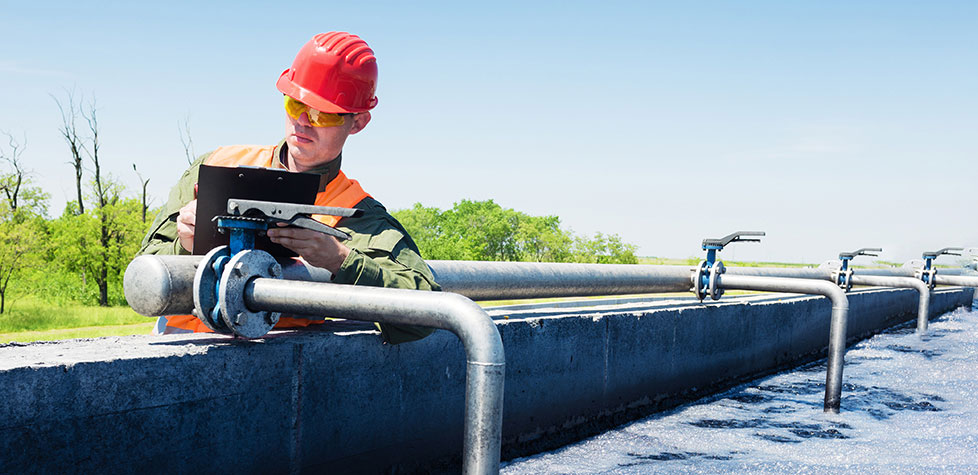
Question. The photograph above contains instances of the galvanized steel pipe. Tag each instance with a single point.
(823, 272)
(820, 273)
(837, 325)
(923, 304)
(911, 272)
(163, 285)
(959, 280)
(899, 277)
(519, 280)
(160, 285)
(486, 364)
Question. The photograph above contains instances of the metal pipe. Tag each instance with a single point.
(518, 280)
(163, 285)
(959, 280)
(819, 273)
(825, 272)
(900, 278)
(923, 303)
(486, 363)
(837, 325)
(911, 271)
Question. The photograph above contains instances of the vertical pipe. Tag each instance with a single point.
(837, 352)
(485, 370)
(923, 308)
(837, 325)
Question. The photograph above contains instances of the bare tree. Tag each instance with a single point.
(75, 143)
(144, 183)
(188, 141)
(102, 201)
(92, 120)
(11, 183)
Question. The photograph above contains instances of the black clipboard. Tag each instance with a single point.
(215, 185)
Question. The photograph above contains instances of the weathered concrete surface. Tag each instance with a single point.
(341, 401)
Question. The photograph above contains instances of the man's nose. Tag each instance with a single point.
(303, 120)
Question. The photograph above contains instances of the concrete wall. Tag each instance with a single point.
(318, 401)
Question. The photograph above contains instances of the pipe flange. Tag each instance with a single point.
(715, 272)
(241, 269)
(698, 273)
(205, 289)
(843, 279)
(928, 276)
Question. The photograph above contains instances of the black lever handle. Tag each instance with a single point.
(733, 237)
(866, 251)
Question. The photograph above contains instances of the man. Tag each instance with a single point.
(329, 92)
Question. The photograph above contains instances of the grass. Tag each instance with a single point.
(30, 313)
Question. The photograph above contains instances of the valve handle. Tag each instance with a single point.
(866, 251)
(951, 251)
(298, 215)
(285, 211)
(733, 237)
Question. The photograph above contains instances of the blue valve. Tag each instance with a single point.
(928, 271)
(843, 277)
(707, 275)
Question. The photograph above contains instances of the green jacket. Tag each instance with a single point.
(382, 253)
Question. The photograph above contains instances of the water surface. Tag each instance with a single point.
(910, 405)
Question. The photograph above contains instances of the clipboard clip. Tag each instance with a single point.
(271, 213)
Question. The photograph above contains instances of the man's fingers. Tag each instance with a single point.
(299, 246)
(293, 233)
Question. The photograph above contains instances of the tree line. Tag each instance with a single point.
(81, 255)
(485, 231)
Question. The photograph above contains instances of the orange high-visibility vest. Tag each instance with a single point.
(342, 192)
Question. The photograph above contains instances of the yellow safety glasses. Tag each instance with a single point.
(318, 119)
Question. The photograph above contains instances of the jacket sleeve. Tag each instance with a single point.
(383, 255)
(162, 237)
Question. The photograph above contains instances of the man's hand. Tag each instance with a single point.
(314, 247)
(185, 225)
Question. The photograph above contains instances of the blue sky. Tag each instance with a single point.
(830, 125)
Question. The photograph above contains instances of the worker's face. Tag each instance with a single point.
(311, 147)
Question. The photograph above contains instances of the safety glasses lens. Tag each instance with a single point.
(295, 109)
(323, 119)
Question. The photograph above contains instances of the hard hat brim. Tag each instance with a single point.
(289, 88)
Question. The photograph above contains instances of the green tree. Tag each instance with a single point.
(424, 225)
(100, 242)
(602, 249)
(22, 224)
(20, 249)
(541, 239)
(485, 231)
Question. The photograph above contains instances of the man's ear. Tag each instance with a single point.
(359, 122)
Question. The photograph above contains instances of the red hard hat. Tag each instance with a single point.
(333, 72)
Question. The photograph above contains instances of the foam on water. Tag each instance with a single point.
(910, 404)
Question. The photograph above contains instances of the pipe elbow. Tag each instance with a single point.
(474, 328)
(920, 285)
(835, 294)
